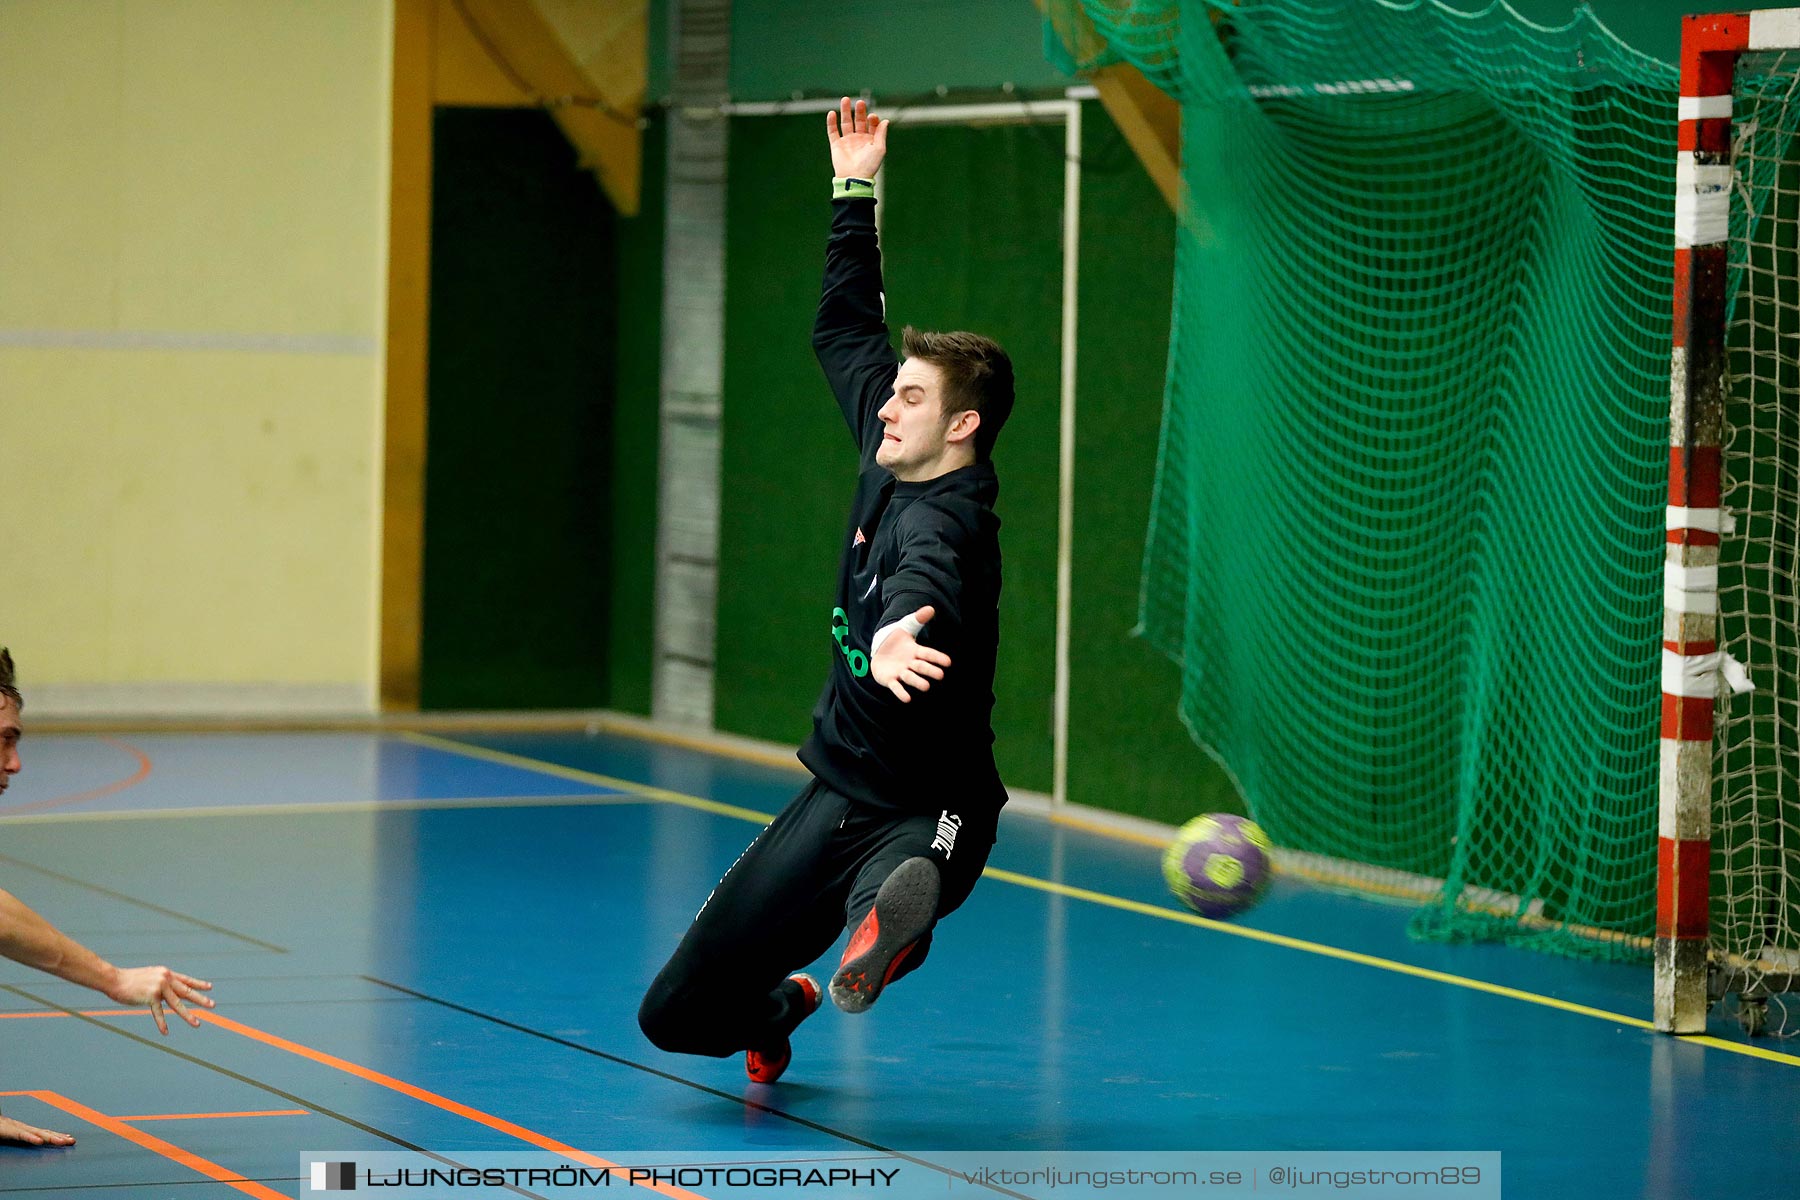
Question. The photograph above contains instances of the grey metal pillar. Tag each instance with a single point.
(693, 340)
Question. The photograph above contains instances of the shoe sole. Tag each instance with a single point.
(904, 909)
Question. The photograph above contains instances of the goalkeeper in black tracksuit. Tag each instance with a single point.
(895, 826)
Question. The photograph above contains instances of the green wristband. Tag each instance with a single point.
(848, 189)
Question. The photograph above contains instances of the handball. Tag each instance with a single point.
(1218, 864)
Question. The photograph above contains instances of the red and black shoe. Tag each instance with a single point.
(766, 1066)
(904, 909)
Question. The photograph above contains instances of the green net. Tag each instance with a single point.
(1407, 538)
(1756, 765)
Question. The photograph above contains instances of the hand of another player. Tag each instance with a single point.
(902, 663)
(858, 140)
(18, 1133)
(159, 986)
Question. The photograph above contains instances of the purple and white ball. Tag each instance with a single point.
(1218, 864)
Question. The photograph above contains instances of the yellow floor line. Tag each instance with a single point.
(1102, 829)
(578, 776)
(322, 806)
(1319, 948)
(1741, 1048)
(1117, 902)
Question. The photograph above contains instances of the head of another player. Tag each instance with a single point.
(11, 705)
(953, 393)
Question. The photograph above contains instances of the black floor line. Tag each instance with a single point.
(237, 1004)
(673, 1078)
(141, 1183)
(301, 1101)
(144, 904)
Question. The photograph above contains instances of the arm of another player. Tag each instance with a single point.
(850, 333)
(19, 1133)
(25, 937)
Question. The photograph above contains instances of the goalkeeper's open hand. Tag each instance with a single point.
(901, 662)
(858, 140)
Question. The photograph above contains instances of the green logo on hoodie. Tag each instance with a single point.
(840, 631)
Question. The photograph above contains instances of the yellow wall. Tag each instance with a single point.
(193, 210)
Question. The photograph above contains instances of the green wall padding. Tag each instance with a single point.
(519, 424)
(1128, 750)
(631, 578)
(895, 48)
(788, 467)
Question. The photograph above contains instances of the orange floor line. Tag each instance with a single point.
(117, 785)
(86, 1012)
(499, 1124)
(173, 1153)
(268, 1112)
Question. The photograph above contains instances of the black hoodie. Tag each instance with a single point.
(906, 545)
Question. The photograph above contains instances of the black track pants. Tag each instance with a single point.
(809, 875)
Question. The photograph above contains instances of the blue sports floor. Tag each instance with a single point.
(439, 943)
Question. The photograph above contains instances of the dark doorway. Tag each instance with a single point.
(519, 421)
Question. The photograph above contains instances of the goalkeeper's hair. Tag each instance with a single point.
(9, 682)
(977, 375)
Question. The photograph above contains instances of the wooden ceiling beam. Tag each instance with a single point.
(528, 51)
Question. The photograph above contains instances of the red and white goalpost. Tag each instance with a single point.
(1729, 828)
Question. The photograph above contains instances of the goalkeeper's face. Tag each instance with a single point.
(9, 741)
(919, 439)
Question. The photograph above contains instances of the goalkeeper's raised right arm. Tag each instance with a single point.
(850, 334)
